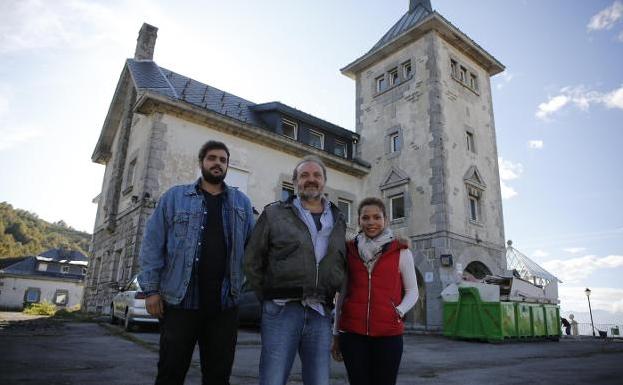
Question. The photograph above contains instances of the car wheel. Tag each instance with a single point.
(113, 319)
(127, 324)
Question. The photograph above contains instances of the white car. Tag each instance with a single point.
(128, 306)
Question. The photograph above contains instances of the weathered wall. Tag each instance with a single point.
(13, 289)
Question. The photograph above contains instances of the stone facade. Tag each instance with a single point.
(427, 133)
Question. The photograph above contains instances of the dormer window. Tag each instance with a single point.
(289, 128)
(340, 149)
(316, 139)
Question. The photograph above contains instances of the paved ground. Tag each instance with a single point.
(43, 351)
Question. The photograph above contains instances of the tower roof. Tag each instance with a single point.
(418, 10)
(419, 20)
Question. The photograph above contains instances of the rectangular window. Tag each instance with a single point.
(469, 138)
(129, 177)
(287, 190)
(454, 68)
(473, 82)
(344, 206)
(473, 208)
(32, 295)
(394, 142)
(393, 77)
(463, 74)
(381, 84)
(397, 207)
(61, 297)
(316, 139)
(289, 128)
(65, 269)
(406, 69)
(340, 149)
(42, 266)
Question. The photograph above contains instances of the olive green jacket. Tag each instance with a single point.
(280, 261)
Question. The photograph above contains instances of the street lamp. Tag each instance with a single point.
(588, 296)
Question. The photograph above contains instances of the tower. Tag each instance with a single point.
(424, 114)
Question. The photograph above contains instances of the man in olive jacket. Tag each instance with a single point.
(295, 262)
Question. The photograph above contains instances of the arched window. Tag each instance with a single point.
(478, 269)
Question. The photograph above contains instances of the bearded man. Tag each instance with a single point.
(191, 262)
(295, 262)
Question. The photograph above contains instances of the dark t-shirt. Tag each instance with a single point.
(213, 261)
(317, 220)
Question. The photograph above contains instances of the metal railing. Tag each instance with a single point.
(612, 330)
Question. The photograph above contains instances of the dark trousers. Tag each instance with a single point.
(371, 360)
(181, 329)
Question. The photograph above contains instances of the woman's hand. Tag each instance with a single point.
(336, 353)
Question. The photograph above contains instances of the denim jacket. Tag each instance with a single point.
(172, 240)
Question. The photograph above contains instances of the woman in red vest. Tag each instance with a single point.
(380, 288)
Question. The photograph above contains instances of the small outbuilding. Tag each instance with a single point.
(56, 276)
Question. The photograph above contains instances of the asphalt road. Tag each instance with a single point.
(43, 351)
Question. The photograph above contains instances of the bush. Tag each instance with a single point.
(42, 308)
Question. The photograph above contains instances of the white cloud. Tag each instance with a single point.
(580, 97)
(507, 191)
(29, 25)
(614, 99)
(503, 80)
(574, 250)
(552, 105)
(539, 253)
(535, 144)
(606, 18)
(12, 136)
(602, 298)
(574, 270)
(508, 171)
(4, 104)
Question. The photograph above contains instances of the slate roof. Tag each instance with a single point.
(27, 266)
(406, 22)
(64, 254)
(150, 76)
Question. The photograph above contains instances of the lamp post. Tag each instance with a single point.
(588, 296)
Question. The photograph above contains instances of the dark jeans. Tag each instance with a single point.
(181, 329)
(371, 360)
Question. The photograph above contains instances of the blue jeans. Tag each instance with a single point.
(288, 329)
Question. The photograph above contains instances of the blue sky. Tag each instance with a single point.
(558, 106)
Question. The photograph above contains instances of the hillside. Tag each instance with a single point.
(24, 233)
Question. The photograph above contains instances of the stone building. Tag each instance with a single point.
(424, 141)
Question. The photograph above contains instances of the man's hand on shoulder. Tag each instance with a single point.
(154, 305)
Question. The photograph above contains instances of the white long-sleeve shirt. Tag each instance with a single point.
(409, 284)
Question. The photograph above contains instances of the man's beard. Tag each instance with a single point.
(310, 195)
(213, 179)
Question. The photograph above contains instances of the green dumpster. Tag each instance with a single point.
(524, 324)
(552, 321)
(471, 318)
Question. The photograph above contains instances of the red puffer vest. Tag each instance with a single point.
(370, 305)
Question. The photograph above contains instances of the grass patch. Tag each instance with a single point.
(41, 308)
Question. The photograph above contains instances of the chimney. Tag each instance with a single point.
(414, 3)
(146, 42)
